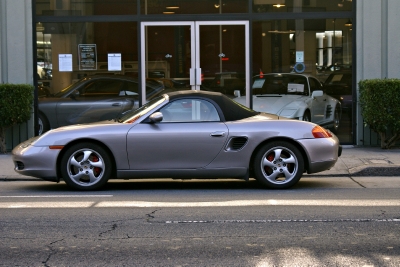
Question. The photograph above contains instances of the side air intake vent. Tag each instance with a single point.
(237, 143)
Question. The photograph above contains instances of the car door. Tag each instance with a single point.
(190, 136)
(318, 103)
(93, 101)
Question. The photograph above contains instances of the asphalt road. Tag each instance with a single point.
(320, 222)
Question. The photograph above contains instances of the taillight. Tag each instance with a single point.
(319, 132)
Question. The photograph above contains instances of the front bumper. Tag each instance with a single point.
(40, 162)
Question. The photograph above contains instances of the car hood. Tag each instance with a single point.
(273, 103)
(95, 130)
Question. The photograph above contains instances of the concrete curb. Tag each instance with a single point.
(376, 170)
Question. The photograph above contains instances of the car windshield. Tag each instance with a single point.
(133, 115)
(282, 84)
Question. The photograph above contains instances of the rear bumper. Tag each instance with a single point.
(323, 153)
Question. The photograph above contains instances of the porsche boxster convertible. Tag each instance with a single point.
(183, 134)
(295, 96)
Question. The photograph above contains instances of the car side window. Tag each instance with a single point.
(102, 87)
(130, 88)
(315, 85)
(189, 110)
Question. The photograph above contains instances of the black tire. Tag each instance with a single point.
(307, 116)
(86, 166)
(44, 124)
(278, 165)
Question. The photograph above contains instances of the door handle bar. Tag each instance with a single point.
(218, 134)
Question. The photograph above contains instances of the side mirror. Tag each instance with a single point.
(317, 93)
(156, 117)
(236, 93)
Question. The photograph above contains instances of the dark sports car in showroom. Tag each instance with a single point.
(182, 134)
(92, 99)
(339, 85)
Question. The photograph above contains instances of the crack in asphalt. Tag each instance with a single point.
(113, 227)
(150, 216)
(351, 178)
(52, 252)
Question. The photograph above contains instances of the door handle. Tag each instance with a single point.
(218, 134)
(116, 104)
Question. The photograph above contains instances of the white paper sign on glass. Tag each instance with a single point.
(65, 62)
(299, 56)
(114, 62)
(294, 88)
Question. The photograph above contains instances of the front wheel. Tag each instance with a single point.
(307, 116)
(278, 165)
(336, 121)
(86, 166)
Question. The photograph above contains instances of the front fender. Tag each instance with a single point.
(294, 110)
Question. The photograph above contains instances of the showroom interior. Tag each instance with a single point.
(195, 42)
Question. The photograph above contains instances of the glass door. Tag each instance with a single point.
(212, 56)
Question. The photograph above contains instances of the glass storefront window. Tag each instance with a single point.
(85, 7)
(203, 54)
(261, 6)
(67, 52)
(321, 48)
(171, 7)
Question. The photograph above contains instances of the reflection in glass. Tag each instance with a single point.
(262, 6)
(85, 7)
(323, 47)
(172, 7)
(89, 44)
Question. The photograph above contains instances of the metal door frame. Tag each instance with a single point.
(195, 70)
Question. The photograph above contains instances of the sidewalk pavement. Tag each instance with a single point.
(354, 161)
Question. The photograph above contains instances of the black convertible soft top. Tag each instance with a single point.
(231, 109)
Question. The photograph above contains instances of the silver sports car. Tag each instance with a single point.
(295, 96)
(183, 134)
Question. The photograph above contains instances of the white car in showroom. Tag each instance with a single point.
(294, 96)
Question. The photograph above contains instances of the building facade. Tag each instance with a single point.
(53, 43)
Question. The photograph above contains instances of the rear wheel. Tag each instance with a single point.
(278, 165)
(86, 166)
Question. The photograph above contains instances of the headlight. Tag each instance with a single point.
(29, 142)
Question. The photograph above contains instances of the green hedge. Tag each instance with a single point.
(15, 107)
(380, 108)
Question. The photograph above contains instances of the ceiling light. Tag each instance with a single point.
(279, 5)
(172, 7)
(348, 23)
(39, 27)
(168, 12)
